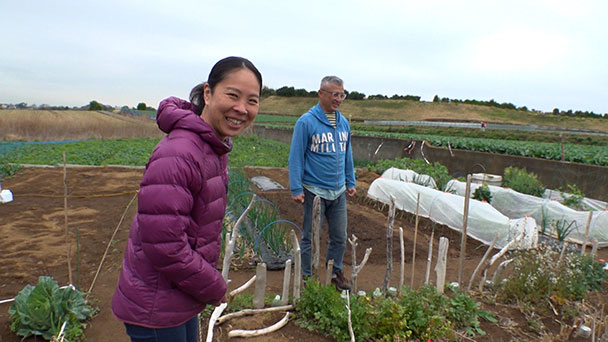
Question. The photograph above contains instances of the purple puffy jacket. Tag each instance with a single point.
(169, 269)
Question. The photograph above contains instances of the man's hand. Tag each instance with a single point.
(351, 192)
(298, 198)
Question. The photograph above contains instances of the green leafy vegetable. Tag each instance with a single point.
(43, 309)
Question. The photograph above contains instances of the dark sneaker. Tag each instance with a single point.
(340, 281)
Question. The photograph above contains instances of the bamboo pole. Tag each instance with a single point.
(415, 240)
(65, 220)
(402, 265)
(463, 240)
(389, 246)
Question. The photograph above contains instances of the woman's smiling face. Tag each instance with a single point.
(233, 104)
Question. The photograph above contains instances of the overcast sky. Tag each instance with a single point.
(542, 54)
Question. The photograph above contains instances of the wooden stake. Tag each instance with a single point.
(316, 234)
(500, 269)
(260, 286)
(357, 268)
(353, 254)
(415, 241)
(65, 219)
(214, 316)
(402, 268)
(286, 279)
(482, 261)
(594, 247)
(389, 245)
(584, 248)
(350, 323)
(440, 268)
(297, 274)
(428, 259)
(243, 287)
(230, 240)
(463, 240)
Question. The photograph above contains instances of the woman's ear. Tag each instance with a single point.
(206, 92)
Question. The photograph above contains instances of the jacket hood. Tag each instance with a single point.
(174, 113)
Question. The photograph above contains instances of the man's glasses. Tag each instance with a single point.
(336, 94)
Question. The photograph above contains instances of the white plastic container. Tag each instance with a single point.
(6, 196)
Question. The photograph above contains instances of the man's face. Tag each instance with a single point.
(331, 96)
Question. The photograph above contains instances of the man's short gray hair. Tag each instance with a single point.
(332, 79)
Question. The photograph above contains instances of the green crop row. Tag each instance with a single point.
(248, 150)
(586, 154)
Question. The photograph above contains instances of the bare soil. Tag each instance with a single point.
(101, 202)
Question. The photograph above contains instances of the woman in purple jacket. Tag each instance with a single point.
(169, 269)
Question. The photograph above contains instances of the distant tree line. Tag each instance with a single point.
(578, 113)
(507, 105)
(351, 95)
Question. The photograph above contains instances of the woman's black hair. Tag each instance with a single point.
(219, 71)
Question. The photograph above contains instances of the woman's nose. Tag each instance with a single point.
(240, 107)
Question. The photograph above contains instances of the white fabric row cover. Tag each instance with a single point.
(409, 176)
(484, 221)
(546, 212)
(588, 203)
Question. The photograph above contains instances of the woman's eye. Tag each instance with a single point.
(233, 95)
(253, 101)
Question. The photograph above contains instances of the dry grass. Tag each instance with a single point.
(405, 110)
(50, 125)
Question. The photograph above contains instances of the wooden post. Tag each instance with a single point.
(463, 240)
(260, 286)
(501, 267)
(316, 234)
(584, 248)
(594, 247)
(389, 245)
(402, 268)
(286, 279)
(482, 261)
(357, 268)
(230, 240)
(415, 240)
(65, 219)
(297, 273)
(429, 258)
(442, 255)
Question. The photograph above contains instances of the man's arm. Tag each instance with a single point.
(296, 161)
